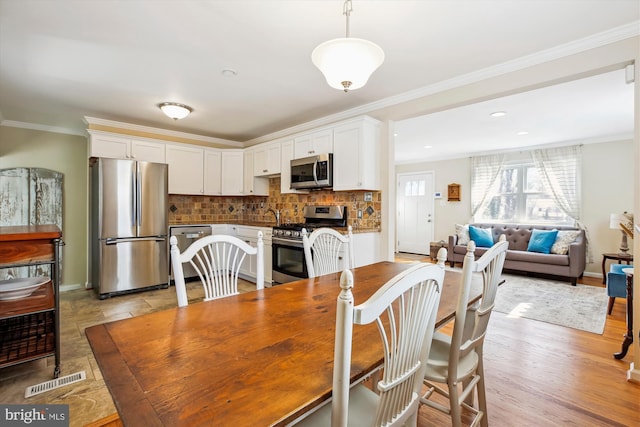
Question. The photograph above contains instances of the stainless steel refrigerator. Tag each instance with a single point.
(128, 225)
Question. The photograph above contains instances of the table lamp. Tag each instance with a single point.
(624, 223)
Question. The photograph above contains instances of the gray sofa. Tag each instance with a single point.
(518, 259)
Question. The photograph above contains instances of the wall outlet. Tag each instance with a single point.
(360, 213)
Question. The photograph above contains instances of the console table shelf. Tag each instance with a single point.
(30, 326)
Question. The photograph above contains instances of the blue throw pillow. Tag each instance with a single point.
(542, 240)
(481, 236)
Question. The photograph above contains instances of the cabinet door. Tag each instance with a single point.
(356, 157)
(113, 147)
(319, 142)
(232, 173)
(253, 185)
(212, 172)
(273, 158)
(266, 160)
(186, 169)
(148, 151)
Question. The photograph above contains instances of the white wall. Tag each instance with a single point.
(607, 187)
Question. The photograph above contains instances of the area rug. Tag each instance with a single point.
(580, 307)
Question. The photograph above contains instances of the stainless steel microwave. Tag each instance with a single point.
(312, 172)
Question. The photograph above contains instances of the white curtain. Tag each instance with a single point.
(561, 172)
(484, 176)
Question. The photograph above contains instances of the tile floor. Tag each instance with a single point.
(88, 400)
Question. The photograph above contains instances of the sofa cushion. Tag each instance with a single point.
(563, 240)
(537, 258)
(542, 240)
(462, 231)
(481, 236)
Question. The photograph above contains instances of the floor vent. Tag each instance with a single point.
(53, 384)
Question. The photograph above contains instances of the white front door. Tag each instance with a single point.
(415, 212)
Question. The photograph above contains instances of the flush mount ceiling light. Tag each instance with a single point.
(347, 63)
(498, 114)
(175, 110)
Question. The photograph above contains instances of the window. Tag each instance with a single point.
(414, 188)
(518, 195)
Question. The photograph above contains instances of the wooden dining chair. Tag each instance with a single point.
(456, 361)
(217, 260)
(404, 310)
(327, 251)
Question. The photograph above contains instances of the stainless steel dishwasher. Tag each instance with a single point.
(186, 235)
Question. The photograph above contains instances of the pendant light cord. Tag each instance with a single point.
(346, 10)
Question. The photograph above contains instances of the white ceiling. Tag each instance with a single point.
(65, 59)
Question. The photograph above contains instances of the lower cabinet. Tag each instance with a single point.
(249, 267)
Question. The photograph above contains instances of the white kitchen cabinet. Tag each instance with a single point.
(266, 159)
(212, 172)
(366, 249)
(356, 158)
(186, 169)
(318, 142)
(249, 266)
(286, 155)
(253, 186)
(122, 147)
(232, 173)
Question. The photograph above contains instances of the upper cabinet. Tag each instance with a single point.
(123, 147)
(212, 172)
(266, 159)
(309, 144)
(356, 155)
(253, 185)
(186, 169)
(232, 173)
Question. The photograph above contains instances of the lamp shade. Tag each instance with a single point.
(347, 63)
(614, 221)
(175, 110)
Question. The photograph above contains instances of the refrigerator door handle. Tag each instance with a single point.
(115, 241)
(139, 196)
(134, 197)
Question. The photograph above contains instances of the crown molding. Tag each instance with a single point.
(613, 35)
(44, 128)
(159, 131)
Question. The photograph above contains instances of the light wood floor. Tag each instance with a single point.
(538, 374)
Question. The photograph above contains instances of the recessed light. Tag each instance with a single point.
(498, 114)
(428, 146)
(523, 132)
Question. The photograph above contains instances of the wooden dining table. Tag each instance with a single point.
(260, 358)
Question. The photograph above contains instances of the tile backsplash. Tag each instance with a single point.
(252, 210)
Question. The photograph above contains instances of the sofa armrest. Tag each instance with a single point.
(577, 256)
(453, 240)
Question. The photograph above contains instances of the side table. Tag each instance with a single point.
(628, 337)
(628, 258)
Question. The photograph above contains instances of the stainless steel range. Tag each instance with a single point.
(288, 253)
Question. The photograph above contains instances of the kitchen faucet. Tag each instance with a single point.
(275, 213)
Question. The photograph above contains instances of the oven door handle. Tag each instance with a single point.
(286, 242)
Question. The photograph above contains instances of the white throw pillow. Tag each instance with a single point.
(463, 234)
(563, 240)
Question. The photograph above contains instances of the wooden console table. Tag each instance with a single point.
(30, 326)
(628, 258)
(628, 337)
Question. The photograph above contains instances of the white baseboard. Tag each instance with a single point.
(72, 287)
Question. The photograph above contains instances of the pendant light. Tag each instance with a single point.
(175, 110)
(347, 63)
